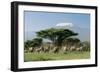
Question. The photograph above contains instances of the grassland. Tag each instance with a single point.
(56, 56)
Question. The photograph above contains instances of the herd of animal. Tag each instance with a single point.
(50, 48)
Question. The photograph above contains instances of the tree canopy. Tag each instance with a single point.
(36, 42)
(28, 44)
(33, 43)
(56, 35)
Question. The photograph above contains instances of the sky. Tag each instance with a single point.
(36, 21)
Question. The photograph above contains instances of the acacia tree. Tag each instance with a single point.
(36, 42)
(27, 44)
(86, 46)
(71, 41)
(49, 34)
(56, 35)
(64, 34)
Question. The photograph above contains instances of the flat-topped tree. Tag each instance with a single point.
(56, 35)
(36, 42)
(27, 44)
(64, 34)
(49, 34)
(71, 42)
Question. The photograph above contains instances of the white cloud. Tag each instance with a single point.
(64, 25)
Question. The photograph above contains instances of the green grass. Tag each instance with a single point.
(51, 56)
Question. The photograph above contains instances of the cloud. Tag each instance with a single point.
(64, 25)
